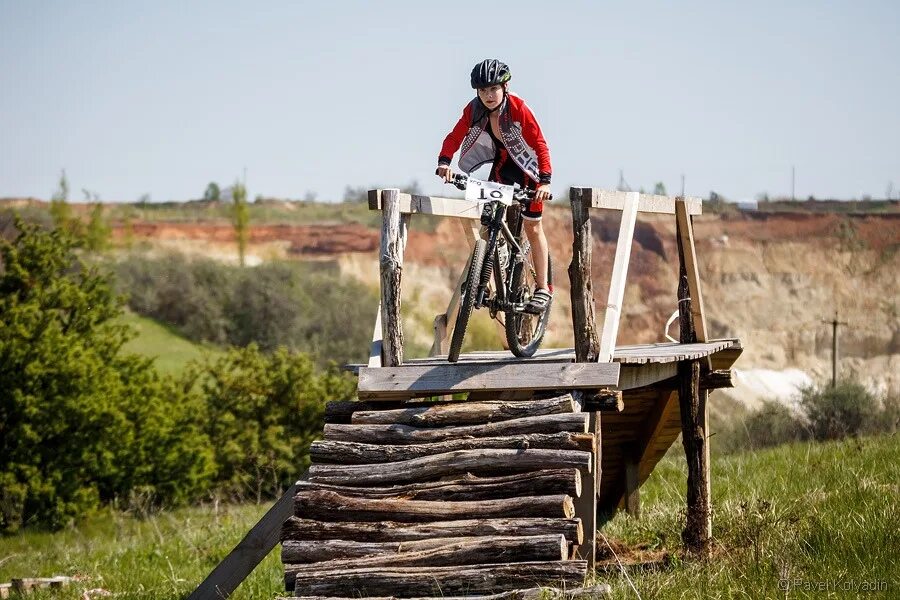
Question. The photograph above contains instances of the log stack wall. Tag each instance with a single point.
(432, 499)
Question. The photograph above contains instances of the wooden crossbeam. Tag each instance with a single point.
(429, 205)
(414, 380)
(647, 203)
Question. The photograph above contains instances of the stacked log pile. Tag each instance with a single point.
(441, 499)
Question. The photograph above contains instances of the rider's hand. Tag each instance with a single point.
(444, 173)
(542, 194)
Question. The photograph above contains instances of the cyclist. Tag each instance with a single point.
(497, 126)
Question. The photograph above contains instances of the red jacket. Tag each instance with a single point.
(519, 131)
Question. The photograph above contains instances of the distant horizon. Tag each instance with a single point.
(309, 98)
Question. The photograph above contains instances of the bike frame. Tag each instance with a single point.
(497, 225)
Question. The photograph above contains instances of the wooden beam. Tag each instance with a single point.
(619, 276)
(686, 233)
(638, 376)
(584, 320)
(428, 205)
(647, 203)
(414, 380)
(586, 504)
(660, 416)
(250, 551)
(394, 231)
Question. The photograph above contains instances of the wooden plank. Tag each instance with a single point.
(404, 434)
(415, 380)
(425, 581)
(428, 205)
(391, 531)
(467, 413)
(456, 462)
(377, 348)
(638, 376)
(594, 592)
(647, 203)
(469, 487)
(460, 551)
(686, 232)
(249, 552)
(663, 413)
(619, 276)
(350, 453)
(394, 233)
(584, 321)
(325, 505)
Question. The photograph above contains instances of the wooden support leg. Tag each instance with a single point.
(632, 483)
(697, 529)
(249, 552)
(586, 504)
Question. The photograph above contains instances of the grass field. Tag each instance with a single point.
(170, 351)
(818, 516)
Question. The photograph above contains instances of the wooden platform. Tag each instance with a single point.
(550, 369)
(634, 439)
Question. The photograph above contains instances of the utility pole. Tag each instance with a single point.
(834, 346)
(793, 180)
(682, 185)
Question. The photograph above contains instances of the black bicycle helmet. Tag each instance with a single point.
(490, 72)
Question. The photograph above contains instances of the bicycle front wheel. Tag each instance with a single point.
(467, 300)
(525, 331)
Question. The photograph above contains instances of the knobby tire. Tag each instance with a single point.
(515, 337)
(467, 300)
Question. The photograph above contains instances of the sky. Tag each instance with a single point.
(160, 98)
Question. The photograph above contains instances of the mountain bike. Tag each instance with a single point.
(506, 255)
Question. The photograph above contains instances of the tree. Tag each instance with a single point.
(81, 423)
(98, 232)
(241, 219)
(212, 193)
(660, 189)
(263, 411)
(59, 203)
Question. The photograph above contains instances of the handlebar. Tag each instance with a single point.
(520, 194)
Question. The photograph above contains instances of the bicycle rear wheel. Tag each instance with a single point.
(467, 300)
(524, 331)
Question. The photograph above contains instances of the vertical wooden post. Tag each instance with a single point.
(632, 482)
(584, 321)
(586, 504)
(393, 242)
(692, 405)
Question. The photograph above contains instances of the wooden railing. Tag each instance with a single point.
(396, 210)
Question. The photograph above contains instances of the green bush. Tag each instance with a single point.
(847, 409)
(303, 307)
(261, 413)
(80, 422)
(825, 413)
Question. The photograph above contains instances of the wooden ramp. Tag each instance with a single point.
(429, 499)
